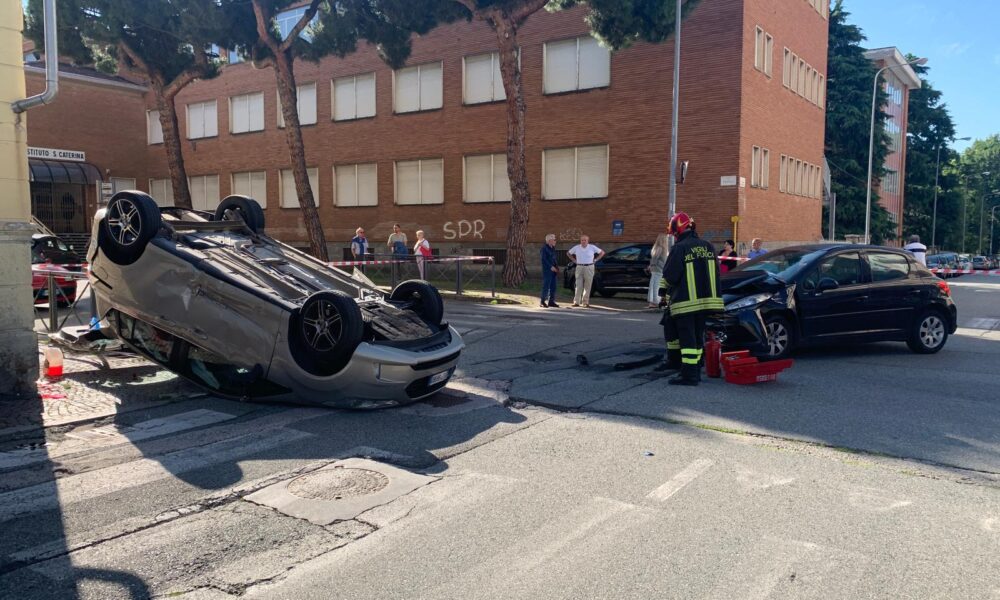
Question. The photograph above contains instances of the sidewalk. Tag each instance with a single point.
(87, 392)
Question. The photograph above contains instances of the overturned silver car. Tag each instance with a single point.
(214, 299)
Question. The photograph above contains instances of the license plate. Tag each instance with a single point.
(438, 377)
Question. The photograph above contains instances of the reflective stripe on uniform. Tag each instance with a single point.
(690, 306)
(711, 280)
(674, 345)
(692, 289)
(690, 356)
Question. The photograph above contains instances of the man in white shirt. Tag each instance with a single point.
(584, 255)
(918, 250)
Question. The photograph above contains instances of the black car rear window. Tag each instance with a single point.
(887, 266)
(783, 263)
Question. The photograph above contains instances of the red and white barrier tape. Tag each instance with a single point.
(992, 272)
(355, 263)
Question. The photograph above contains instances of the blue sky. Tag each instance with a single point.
(961, 41)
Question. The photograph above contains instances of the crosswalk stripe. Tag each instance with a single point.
(680, 480)
(94, 484)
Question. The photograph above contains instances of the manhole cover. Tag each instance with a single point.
(337, 484)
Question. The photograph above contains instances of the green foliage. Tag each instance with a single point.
(850, 76)
(619, 23)
(930, 128)
(980, 171)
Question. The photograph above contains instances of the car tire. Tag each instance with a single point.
(423, 298)
(780, 337)
(131, 220)
(245, 207)
(325, 331)
(929, 333)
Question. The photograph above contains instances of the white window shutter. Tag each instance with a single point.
(211, 119)
(408, 182)
(407, 90)
(501, 183)
(365, 95)
(559, 173)
(595, 64)
(196, 121)
(211, 192)
(307, 104)
(432, 181)
(346, 185)
(478, 178)
(560, 66)
(430, 86)
(592, 172)
(239, 116)
(367, 182)
(479, 78)
(289, 199)
(344, 99)
(153, 128)
(256, 105)
(499, 93)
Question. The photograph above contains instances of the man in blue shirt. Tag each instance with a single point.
(550, 272)
(755, 248)
(359, 245)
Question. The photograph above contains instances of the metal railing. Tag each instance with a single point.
(55, 295)
(458, 270)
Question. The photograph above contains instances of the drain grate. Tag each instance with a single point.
(338, 484)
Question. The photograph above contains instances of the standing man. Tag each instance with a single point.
(550, 272)
(397, 242)
(584, 255)
(918, 250)
(692, 275)
(359, 246)
(755, 248)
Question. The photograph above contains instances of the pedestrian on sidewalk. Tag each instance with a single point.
(657, 258)
(397, 243)
(550, 272)
(918, 250)
(584, 255)
(422, 250)
(728, 250)
(756, 248)
(359, 246)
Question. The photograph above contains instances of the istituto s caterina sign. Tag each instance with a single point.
(57, 154)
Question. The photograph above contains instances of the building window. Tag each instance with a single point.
(417, 88)
(793, 77)
(234, 57)
(202, 120)
(481, 79)
(289, 197)
(798, 177)
(252, 184)
(485, 178)
(305, 100)
(246, 113)
(763, 51)
(162, 190)
(803, 73)
(569, 173)
(154, 131)
(119, 184)
(782, 173)
(760, 164)
(420, 181)
(576, 64)
(287, 19)
(204, 192)
(821, 100)
(356, 185)
(353, 97)
(768, 54)
(786, 66)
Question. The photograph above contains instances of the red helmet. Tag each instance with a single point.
(680, 223)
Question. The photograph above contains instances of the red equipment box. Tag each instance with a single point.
(743, 369)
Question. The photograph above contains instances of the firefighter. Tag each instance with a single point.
(692, 276)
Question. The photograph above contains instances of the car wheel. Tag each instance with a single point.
(131, 220)
(929, 333)
(234, 207)
(422, 297)
(780, 336)
(325, 331)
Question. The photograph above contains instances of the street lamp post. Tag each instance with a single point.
(993, 219)
(675, 117)
(937, 171)
(871, 143)
(982, 215)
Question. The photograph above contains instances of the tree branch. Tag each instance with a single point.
(263, 31)
(470, 5)
(527, 9)
(308, 16)
(154, 76)
(198, 69)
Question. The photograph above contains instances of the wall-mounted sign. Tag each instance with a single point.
(617, 227)
(727, 181)
(57, 154)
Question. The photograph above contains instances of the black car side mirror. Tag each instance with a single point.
(826, 284)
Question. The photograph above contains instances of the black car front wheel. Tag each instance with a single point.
(241, 207)
(131, 220)
(422, 297)
(780, 336)
(929, 333)
(325, 331)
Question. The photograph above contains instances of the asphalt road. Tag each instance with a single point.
(861, 473)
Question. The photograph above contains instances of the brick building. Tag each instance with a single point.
(423, 146)
(899, 78)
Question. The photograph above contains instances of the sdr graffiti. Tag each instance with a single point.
(463, 229)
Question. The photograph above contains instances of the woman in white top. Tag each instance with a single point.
(422, 250)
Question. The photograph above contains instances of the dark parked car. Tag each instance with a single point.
(823, 293)
(621, 270)
(49, 253)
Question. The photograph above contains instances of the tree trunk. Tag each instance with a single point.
(172, 144)
(297, 153)
(514, 269)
